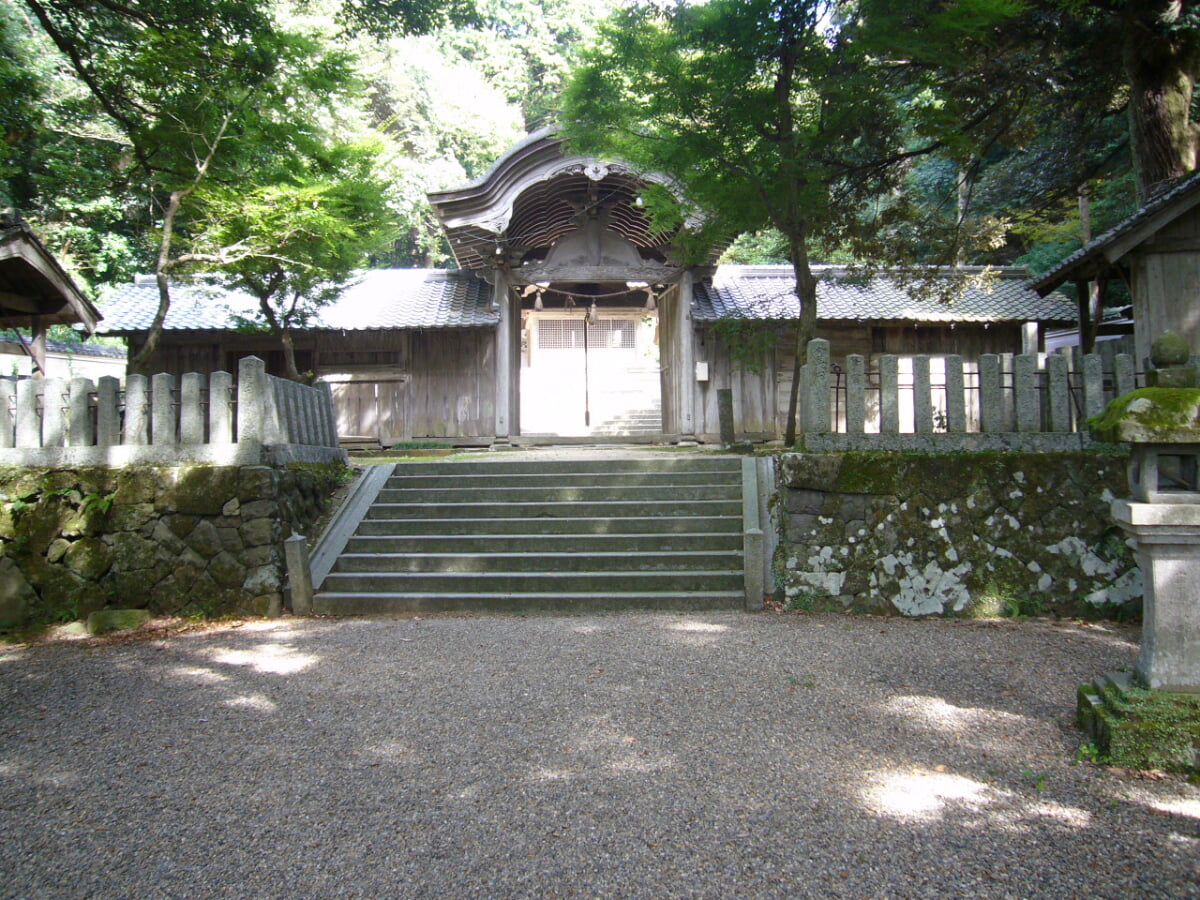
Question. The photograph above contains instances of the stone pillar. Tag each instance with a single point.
(1162, 425)
(1168, 552)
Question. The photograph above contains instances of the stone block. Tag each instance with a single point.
(165, 537)
(263, 555)
(204, 490)
(108, 620)
(132, 552)
(89, 558)
(256, 483)
(258, 509)
(131, 516)
(263, 580)
(205, 539)
(17, 598)
(226, 571)
(259, 531)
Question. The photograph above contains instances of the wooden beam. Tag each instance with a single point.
(22, 303)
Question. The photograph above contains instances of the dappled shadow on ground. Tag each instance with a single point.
(645, 755)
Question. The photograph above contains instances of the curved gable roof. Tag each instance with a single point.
(535, 194)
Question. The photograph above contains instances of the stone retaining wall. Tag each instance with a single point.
(190, 540)
(966, 533)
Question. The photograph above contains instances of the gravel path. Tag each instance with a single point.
(648, 756)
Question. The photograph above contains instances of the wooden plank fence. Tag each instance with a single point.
(154, 421)
(1025, 401)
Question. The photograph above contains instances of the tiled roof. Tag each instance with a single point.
(381, 298)
(767, 292)
(1095, 248)
(74, 348)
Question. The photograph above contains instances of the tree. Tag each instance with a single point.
(296, 240)
(1160, 52)
(780, 113)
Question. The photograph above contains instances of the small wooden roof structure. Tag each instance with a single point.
(33, 286)
(35, 292)
(1156, 251)
(1103, 257)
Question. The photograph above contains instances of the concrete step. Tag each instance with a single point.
(533, 560)
(630, 582)
(572, 525)
(503, 478)
(594, 543)
(367, 604)
(659, 462)
(556, 509)
(548, 494)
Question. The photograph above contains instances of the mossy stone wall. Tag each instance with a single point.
(181, 540)
(960, 534)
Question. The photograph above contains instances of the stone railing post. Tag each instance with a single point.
(991, 397)
(922, 396)
(1059, 388)
(8, 397)
(956, 396)
(856, 394)
(108, 412)
(79, 426)
(817, 415)
(162, 409)
(54, 419)
(889, 394)
(1026, 400)
(220, 408)
(191, 414)
(251, 411)
(137, 420)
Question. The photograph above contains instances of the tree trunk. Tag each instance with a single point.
(806, 326)
(1160, 62)
(139, 364)
(289, 356)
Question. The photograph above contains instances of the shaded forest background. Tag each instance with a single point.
(288, 105)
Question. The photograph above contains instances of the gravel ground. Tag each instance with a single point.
(648, 756)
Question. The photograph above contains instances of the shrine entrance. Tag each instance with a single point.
(590, 371)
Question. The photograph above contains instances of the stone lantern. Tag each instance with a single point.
(1161, 423)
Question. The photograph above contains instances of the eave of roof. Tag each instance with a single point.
(407, 299)
(768, 293)
(1104, 252)
(29, 271)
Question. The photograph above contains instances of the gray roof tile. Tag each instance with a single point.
(381, 298)
(767, 292)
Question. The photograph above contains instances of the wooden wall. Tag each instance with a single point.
(1165, 283)
(394, 385)
(760, 399)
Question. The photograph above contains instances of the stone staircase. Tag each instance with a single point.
(643, 422)
(567, 535)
